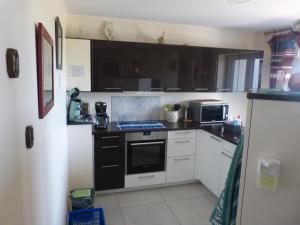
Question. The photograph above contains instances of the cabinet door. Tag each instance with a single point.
(227, 69)
(204, 77)
(211, 162)
(179, 68)
(107, 66)
(226, 159)
(143, 68)
(250, 70)
(78, 55)
(180, 168)
(109, 176)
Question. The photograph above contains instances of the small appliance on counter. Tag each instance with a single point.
(78, 110)
(233, 126)
(209, 111)
(102, 119)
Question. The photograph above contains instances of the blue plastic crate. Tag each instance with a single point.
(87, 217)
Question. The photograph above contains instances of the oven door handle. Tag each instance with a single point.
(147, 143)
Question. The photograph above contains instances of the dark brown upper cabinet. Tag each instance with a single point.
(239, 70)
(204, 77)
(107, 66)
(143, 67)
(179, 68)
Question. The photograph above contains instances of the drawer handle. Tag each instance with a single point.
(224, 89)
(109, 166)
(182, 159)
(146, 177)
(201, 89)
(182, 142)
(216, 139)
(185, 132)
(112, 146)
(173, 89)
(113, 88)
(227, 155)
(109, 137)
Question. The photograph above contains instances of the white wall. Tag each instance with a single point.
(148, 31)
(33, 183)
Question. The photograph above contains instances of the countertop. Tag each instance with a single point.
(215, 129)
(275, 95)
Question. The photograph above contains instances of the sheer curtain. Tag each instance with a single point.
(285, 49)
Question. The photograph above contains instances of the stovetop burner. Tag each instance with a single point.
(135, 125)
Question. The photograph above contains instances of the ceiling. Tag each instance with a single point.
(256, 15)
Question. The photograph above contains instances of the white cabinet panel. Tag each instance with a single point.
(139, 180)
(211, 162)
(80, 155)
(180, 168)
(181, 134)
(78, 58)
(226, 159)
(181, 147)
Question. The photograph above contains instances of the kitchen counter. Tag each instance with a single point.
(275, 95)
(215, 129)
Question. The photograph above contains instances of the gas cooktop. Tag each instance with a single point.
(135, 125)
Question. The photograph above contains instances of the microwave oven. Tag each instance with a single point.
(212, 111)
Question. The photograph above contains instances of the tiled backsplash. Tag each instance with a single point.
(131, 108)
(237, 102)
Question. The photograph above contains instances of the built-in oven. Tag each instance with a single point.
(145, 152)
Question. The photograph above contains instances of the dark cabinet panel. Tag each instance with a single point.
(109, 176)
(179, 68)
(107, 66)
(227, 69)
(250, 69)
(239, 70)
(143, 67)
(204, 77)
(109, 161)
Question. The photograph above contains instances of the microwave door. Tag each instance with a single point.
(212, 113)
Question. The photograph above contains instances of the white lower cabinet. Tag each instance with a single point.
(181, 168)
(214, 156)
(146, 179)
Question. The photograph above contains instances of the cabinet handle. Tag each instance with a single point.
(181, 142)
(113, 88)
(227, 155)
(146, 177)
(223, 89)
(112, 146)
(156, 89)
(184, 132)
(182, 159)
(216, 139)
(174, 89)
(110, 166)
(109, 137)
(201, 89)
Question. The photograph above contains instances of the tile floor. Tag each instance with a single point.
(189, 204)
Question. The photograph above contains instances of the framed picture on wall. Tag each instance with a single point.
(45, 69)
(59, 44)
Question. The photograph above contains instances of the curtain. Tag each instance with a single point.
(284, 48)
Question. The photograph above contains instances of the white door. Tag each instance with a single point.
(212, 147)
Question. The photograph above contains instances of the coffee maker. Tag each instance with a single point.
(102, 119)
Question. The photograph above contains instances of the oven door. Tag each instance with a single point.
(214, 113)
(146, 156)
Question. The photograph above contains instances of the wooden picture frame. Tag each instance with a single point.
(58, 44)
(45, 73)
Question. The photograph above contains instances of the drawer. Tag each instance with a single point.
(109, 176)
(107, 139)
(180, 168)
(181, 147)
(109, 153)
(229, 147)
(139, 180)
(180, 134)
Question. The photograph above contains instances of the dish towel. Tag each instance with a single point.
(225, 210)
